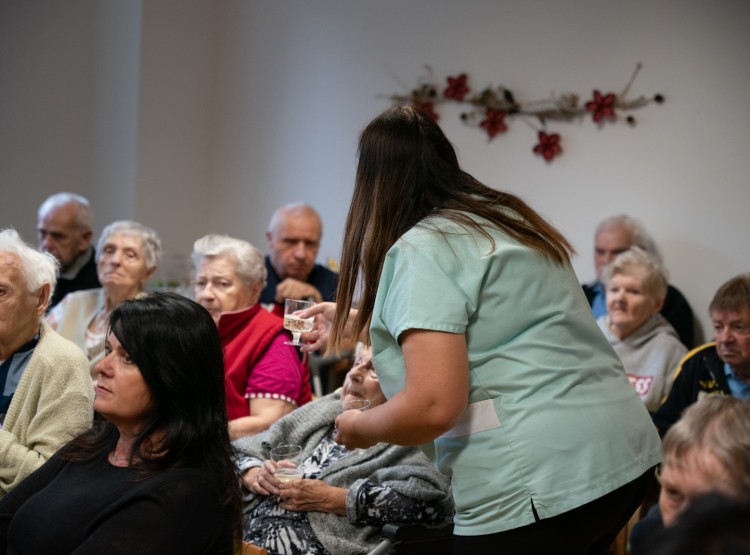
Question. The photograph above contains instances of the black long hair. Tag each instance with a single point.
(175, 344)
(408, 170)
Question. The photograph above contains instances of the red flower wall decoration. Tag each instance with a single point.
(494, 123)
(489, 108)
(548, 146)
(602, 106)
(429, 108)
(457, 87)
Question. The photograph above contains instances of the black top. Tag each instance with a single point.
(645, 530)
(93, 508)
(323, 279)
(86, 278)
(676, 310)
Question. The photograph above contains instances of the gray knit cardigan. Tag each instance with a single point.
(404, 469)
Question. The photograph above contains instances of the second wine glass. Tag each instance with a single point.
(288, 459)
(294, 323)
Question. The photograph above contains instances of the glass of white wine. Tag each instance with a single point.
(284, 474)
(294, 323)
(287, 457)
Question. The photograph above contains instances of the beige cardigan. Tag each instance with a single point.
(73, 318)
(53, 403)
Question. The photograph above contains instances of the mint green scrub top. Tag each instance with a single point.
(551, 417)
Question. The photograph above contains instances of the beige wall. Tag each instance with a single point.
(196, 116)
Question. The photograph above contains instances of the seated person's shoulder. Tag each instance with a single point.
(702, 353)
(55, 347)
(675, 296)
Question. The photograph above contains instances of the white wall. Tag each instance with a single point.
(241, 105)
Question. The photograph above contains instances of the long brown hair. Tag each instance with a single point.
(407, 170)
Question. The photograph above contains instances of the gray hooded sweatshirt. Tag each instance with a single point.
(650, 357)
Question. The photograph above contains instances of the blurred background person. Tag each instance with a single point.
(264, 377)
(124, 485)
(646, 343)
(720, 367)
(64, 227)
(293, 236)
(707, 450)
(344, 497)
(127, 256)
(614, 236)
(712, 524)
(45, 392)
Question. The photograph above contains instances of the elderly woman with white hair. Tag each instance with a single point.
(45, 394)
(648, 345)
(264, 378)
(127, 255)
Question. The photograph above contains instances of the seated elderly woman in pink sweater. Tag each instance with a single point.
(264, 378)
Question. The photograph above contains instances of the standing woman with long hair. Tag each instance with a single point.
(158, 475)
(486, 350)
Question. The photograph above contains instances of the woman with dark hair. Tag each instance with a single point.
(485, 347)
(157, 476)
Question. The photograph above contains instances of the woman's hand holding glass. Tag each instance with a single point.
(346, 434)
(324, 314)
(299, 494)
(288, 458)
(313, 495)
(318, 337)
(262, 479)
(282, 467)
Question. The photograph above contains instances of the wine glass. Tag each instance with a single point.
(287, 457)
(286, 452)
(294, 323)
(284, 474)
(356, 404)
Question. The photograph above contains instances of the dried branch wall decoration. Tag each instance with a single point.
(493, 108)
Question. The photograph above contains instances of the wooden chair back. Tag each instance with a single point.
(247, 548)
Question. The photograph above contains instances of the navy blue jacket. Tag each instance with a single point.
(700, 373)
(323, 279)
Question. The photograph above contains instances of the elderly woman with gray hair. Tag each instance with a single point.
(648, 346)
(338, 500)
(126, 257)
(264, 379)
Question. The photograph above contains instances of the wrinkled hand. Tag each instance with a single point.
(291, 288)
(262, 479)
(312, 495)
(318, 337)
(346, 433)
